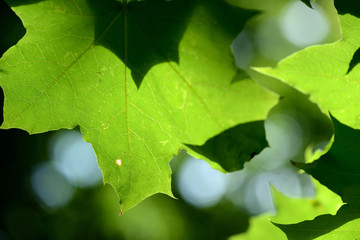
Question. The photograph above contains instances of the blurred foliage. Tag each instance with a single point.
(339, 170)
(94, 213)
(290, 210)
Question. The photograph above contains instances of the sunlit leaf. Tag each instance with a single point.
(323, 73)
(140, 79)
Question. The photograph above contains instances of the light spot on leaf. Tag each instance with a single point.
(118, 162)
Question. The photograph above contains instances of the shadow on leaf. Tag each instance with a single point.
(322, 225)
(145, 33)
(339, 168)
(354, 61)
(239, 76)
(142, 34)
(233, 147)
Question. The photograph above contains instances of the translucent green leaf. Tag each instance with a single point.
(325, 73)
(291, 210)
(140, 79)
(339, 170)
(344, 225)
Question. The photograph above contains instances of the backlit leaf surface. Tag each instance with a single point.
(326, 73)
(140, 79)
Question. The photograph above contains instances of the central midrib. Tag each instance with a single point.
(124, 10)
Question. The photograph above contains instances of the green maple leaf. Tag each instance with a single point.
(339, 170)
(343, 225)
(291, 210)
(328, 73)
(141, 79)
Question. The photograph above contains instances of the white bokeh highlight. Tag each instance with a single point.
(50, 186)
(303, 26)
(73, 165)
(201, 185)
(76, 159)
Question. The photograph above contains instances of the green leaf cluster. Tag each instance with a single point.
(145, 79)
(329, 75)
